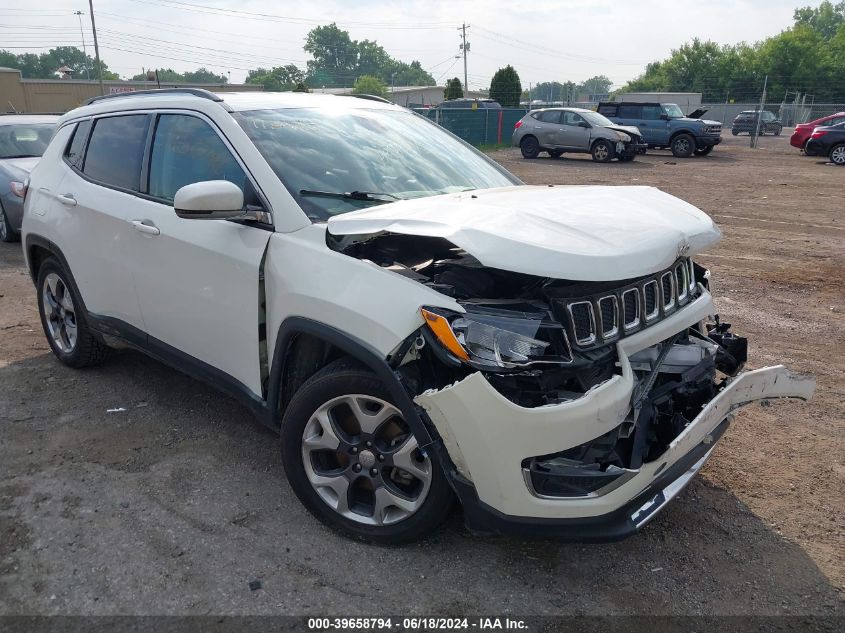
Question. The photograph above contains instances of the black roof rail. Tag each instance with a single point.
(369, 98)
(197, 92)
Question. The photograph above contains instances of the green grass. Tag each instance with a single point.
(492, 147)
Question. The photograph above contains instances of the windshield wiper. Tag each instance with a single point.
(369, 196)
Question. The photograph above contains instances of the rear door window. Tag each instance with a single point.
(550, 116)
(116, 151)
(629, 112)
(187, 150)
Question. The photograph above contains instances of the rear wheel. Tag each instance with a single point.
(683, 146)
(64, 320)
(602, 152)
(353, 461)
(7, 233)
(530, 147)
(837, 155)
(704, 151)
(555, 153)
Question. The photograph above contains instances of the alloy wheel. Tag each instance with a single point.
(60, 313)
(363, 461)
(601, 152)
(837, 156)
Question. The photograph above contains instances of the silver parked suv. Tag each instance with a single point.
(559, 130)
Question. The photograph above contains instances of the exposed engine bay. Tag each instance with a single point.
(577, 324)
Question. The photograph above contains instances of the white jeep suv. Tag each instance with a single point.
(417, 324)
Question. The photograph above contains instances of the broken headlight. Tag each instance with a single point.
(492, 338)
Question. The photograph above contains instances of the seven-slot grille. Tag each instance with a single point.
(604, 317)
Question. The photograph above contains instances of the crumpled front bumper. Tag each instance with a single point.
(487, 437)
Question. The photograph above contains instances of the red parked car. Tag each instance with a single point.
(802, 131)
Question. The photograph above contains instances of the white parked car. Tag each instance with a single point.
(417, 324)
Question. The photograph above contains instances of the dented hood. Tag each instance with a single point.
(582, 233)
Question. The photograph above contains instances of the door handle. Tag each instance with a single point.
(146, 226)
(67, 199)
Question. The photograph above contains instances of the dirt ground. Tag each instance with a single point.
(173, 505)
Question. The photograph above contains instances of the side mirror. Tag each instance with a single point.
(665, 117)
(209, 200)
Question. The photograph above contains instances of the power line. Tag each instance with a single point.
(250, 15)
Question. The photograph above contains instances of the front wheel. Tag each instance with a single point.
(353, 461)
(837, 155)
(778, 130)
(530, 147)
(683, 146)
(704, 151)
(602, 152)
(735, 132)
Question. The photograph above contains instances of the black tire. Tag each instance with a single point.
(837, 154)
(735, 132)
(704, 150)
(85, 348)
(602, 151)
(555, 153)
(627, 158)
(778, 130)
(336, 381)
(683, 145)
(7, 233)
(530, 147)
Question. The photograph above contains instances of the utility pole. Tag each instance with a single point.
(96, 48)
(760, 112)
(79, 14)
(464, 47)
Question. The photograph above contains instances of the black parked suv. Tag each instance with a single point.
(746, 121)
(664, 125)
(828, 141)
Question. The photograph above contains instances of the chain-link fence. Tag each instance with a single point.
(495, 127)
(790, 114)
(478, 127)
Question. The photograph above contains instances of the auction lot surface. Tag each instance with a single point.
(174, 504)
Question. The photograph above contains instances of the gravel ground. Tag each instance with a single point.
(175, 504)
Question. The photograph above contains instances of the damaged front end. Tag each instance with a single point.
(572, 408)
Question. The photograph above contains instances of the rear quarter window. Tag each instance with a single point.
(76, 148)
(116, 151)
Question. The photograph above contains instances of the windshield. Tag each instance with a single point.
(22, 140)
(396, 154)
(594, 118)
(673, 110)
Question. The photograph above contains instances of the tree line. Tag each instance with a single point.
(808, 57)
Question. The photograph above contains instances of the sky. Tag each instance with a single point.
(545, 40)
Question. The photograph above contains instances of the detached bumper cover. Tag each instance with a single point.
(487, 437)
